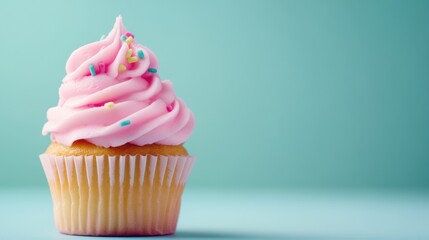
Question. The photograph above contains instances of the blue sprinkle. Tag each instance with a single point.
(92, 69)
(125, 123)
(140, 54)
(123, 38)
(152, 70)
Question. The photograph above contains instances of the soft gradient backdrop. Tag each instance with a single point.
(287, 94)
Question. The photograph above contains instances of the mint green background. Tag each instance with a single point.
(287, 94)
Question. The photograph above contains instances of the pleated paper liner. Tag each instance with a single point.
(116, 195)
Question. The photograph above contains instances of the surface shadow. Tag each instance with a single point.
(178, 235)
(206, 235)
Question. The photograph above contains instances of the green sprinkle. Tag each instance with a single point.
(140, 54)
(125, 123)
(123, 38)
(92, 69)
(152, 70)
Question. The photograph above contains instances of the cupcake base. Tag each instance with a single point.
(116, 195)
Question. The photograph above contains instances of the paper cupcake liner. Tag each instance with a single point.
(116, 195)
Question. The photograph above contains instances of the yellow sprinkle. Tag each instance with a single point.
(109, 105)
(122, 67)
(129, 40)
(133, 59)
(129, 53)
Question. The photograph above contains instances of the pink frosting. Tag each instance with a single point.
(145, 109)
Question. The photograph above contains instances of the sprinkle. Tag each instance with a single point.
(129, 53)
(123, 38)
(103, 37)
(169, 108)
(133, 59)
(102, 67)
(152, 70)
(92, 69)
(109, 105)
(122, 68)
(140, 54)
(128, 34)
(125, 123)
(129, 40)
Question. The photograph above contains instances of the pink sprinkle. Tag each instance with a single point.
(170, 108)
(128, 34)
(95, 105)
(102, 67)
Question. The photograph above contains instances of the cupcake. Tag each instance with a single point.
(117, 165)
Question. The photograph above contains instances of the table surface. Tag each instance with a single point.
(251, 214)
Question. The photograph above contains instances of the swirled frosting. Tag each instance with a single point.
(113, 95)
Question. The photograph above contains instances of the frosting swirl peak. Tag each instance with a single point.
(113, 95)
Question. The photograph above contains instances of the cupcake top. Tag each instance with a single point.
(112, 95)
